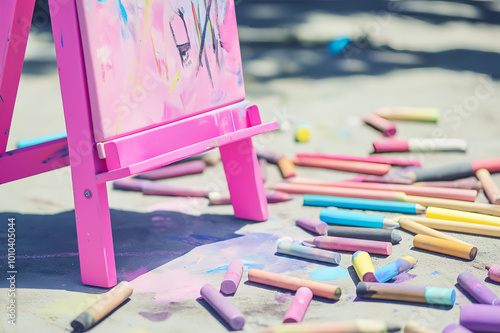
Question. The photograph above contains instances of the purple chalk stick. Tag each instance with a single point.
(232, 277)
(477, 289)
(480, 317)
(154, 188)
(174, 170)
(454, 328)
(298, 308)
(130, 184)
(223, 307)
(313, 225)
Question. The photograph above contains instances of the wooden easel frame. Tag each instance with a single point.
(93, 164)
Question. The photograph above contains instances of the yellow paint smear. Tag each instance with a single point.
(174, 82)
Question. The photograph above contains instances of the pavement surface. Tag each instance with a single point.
(441, 54)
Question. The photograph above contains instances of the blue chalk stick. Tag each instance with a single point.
(351, 218)
(365, 204)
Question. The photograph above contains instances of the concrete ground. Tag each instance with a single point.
(440, 54)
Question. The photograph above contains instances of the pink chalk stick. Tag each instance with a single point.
(390, 146)
(380, 124)
(313, 225)
(371, 158)
(175, 170)
(263, 169)
(494, 272)
(298, 308)
(154, 188)
(217, 198)
(232, 277)
(350, 244)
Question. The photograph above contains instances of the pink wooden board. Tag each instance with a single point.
(152, 62)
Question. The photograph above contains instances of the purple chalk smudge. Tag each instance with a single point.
(281, 298)
(129, 276)
(160, 316)
(403, 277)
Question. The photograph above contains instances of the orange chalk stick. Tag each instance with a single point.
(445, 246)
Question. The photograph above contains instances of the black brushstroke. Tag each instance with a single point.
(182, 48)
(204, 34)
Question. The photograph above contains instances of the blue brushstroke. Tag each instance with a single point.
(102, 1)
(62, 40)
(435, 273)
(224, 268)
(123, 15)
(89, 8)
(1, 99)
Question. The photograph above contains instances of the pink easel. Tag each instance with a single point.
(195, 104)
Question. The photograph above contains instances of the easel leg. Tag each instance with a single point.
(93, 224)
(244, 180)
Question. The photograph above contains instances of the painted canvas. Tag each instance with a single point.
(153, 62)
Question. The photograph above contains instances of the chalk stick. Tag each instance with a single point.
(419, 145)
(380, 124)
(406, 293)
(297, 250)
(313, 225)
(263, 169)
(477, 289)
(223, 198)
(363, 266)
(232, 277)
(356, 219)
(413, 327)
(292, 283)
(381, 235)
(408, 113)
(417, 228)
(455, 328)
(389, 271)
(446, 172)
(130, 184)
(342, 165)
(106, 303)
(465, 183)
(156, 188)
(494, 272)
(298, 308)
(302, 131)
(461, 216)
(174, 170)
(490, 188)
(350, 244)
(445, 246)
(471, 228)
(363, 204)
(480, 317)
(355, 326)
(223, 307)
(287, 168)
(371, 158)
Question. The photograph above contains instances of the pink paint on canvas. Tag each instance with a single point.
(153, 62)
